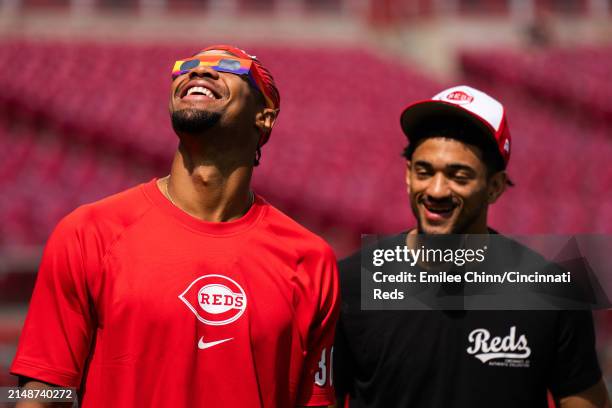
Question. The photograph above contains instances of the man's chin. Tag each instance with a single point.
(440, 229)
(193, 121)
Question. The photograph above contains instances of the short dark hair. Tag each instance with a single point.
(461, 130)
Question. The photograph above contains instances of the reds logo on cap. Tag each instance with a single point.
(215, 299)
(462, 102)
(459, 97)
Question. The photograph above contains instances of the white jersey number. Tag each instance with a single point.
(321, 376)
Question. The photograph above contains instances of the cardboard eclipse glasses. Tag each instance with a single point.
(222, 63)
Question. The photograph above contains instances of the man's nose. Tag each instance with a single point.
(203, 71)
(438, 187)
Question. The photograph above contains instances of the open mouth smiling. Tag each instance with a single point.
(199, 90)
(438, 211)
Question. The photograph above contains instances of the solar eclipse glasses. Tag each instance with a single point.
(223, 63)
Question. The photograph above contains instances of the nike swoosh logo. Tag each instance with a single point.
(202, 345)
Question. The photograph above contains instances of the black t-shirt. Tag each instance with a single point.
(442, 359)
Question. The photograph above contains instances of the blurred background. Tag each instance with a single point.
(83, 111)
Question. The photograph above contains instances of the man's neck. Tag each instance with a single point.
(208, 189)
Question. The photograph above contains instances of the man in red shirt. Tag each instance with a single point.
(189, 290)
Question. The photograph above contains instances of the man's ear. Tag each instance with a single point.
(408, 172)
(264, 120)
(496, 186)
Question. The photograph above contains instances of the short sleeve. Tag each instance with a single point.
(56, 337)
(576, 367)
(316, 387)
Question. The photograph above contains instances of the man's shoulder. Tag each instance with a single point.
(511, 246)
(112, 212)
(349, 268)
(292, 233)
(352, 263)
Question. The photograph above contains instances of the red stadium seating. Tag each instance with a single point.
(576, 79)
(333, 159)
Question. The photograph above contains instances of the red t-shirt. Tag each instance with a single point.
(141, 305)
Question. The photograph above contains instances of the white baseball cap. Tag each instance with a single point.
(462, 102)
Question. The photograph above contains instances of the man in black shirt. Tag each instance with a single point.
(459, 146)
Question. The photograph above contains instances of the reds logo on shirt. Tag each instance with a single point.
(215, 299)
(512, 349)
(459, 97)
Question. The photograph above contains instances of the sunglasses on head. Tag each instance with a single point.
(221, 63)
